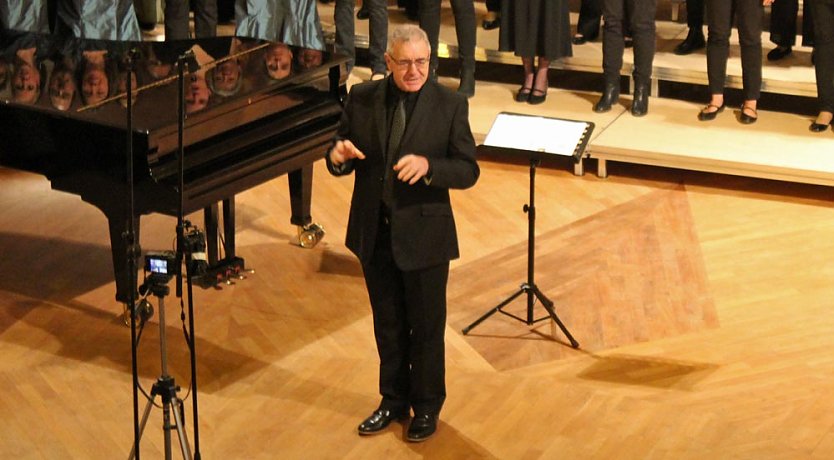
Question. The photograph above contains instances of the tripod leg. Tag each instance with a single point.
(142, 424)
(177, 408)
(548, 305)
(493, 311)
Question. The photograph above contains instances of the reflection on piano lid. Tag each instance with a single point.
(254, 110)
(89, 76)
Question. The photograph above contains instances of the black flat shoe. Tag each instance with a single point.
(745, 119)
(536, 99)
(610, 96)
(362, 14)
(820, 127)
(422, 427)
(706, 115)
(380, 420)
(779, 52)
(523, 94)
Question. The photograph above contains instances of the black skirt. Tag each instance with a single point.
(536, 28)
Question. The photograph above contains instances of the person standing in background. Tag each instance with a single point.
(748, 15)
(176, 19)
(346, 29)
(464, 12)
(695, 20)
(783, 16)
(823, 12)
(535, 28)
(641, 21)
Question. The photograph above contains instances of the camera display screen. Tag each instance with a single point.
(158, 266)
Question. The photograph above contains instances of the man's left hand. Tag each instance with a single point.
(412, 168)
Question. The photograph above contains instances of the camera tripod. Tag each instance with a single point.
(165, 387)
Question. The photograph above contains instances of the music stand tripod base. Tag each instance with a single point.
(529, 287)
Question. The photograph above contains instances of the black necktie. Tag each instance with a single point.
(394, 138)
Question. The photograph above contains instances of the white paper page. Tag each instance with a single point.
(536, 134)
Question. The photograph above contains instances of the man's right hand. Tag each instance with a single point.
(343, 151)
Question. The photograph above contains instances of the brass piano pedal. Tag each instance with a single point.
(309, 235)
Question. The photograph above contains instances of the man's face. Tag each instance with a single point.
(196, 94)
(408, 63)
(94, 86)
(61, 89)
(278, 59)
(26, 84)
(226, 75)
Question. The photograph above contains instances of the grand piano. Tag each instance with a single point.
(253, 109)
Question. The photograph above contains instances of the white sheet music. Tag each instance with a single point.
(536, 134)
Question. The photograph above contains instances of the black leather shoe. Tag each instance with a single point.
(380, 420)
(362, 14)
(640, 104)
(610, 96)
(779, 52)
(422, 427)
(818, 127)
(706, 115)
(694, 41)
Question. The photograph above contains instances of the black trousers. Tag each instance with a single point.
(749, 22)
(590, 12)
(783, 15)
(346, 30)
(493, 5)
(409, 311)
(640, 20)
(695, 14)
(464, 12)
(176, 19)
(823, 12)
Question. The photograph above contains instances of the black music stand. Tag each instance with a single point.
(534, 138)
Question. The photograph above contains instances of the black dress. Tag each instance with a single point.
(536, 28)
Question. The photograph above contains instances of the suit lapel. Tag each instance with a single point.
(380, 114)
(422, 109)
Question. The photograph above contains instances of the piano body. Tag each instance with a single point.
(254, 110)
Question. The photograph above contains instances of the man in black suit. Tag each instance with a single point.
(408, 141)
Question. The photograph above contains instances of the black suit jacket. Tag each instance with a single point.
(422, 225)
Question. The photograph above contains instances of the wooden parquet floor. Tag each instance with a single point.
(704, 305)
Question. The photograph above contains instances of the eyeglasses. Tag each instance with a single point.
(406, 63)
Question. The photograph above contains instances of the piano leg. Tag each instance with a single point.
(301, 192)
(229, 226)
(210, 216)
(119, 248)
